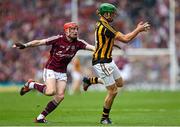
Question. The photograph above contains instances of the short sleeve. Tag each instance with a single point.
(52, 40)
(110, 30)
(81, 44)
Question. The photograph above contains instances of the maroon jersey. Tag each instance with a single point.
(62, 52)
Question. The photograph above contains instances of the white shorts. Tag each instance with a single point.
(109, 72)
(52, 74)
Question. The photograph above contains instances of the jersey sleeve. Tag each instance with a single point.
(118, 34)
(81, 44)
(52, 40)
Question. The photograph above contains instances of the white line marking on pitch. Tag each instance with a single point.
(125, 110)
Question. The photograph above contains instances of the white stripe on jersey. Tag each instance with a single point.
(83, 41)
(95, 39)
(53, 38)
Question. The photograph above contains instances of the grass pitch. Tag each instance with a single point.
(138, 108)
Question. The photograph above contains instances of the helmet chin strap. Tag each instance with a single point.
(108, 17)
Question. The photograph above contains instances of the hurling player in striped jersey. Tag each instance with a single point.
(103, 64)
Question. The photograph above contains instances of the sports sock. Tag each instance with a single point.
(40, 87)
(93, 80)
(31, 85)
(105, 113)
(49, 108)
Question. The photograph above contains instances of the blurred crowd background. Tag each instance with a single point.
(26, 20)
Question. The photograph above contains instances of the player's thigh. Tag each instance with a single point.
(119, 82)
(105, 72)
(103, 69)
(116, 71)
(110, 74)
(50, 80)
(108, 80)
(61, 82)
(60, 90)
(117, 76)
(50, 85)
(61, 86)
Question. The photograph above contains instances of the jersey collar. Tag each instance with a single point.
(66, 40)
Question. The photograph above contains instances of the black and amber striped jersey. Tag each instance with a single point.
(104, 38)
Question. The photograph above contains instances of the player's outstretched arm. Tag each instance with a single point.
(141, 27)
(90, 47)
(29, 44)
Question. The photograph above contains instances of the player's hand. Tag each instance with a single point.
(19, 45)
(143, 26)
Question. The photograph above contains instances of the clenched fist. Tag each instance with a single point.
(19, 45)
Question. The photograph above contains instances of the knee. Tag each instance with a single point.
(112, 90)
(119, 82)
(59, 97)
(50, 92)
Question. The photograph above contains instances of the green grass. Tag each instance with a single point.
(129, 109)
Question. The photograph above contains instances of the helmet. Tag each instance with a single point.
(106, 7)
(70, 25)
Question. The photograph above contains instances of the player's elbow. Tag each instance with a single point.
(127, 39)
(124, 39)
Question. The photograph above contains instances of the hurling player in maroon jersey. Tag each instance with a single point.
(64, 48)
